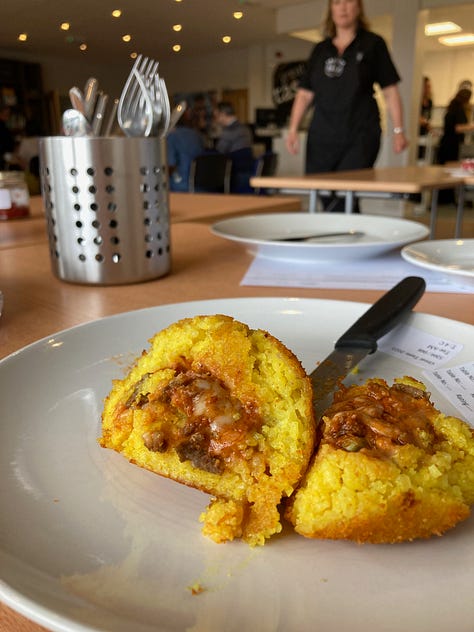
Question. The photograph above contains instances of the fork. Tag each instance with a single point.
(135, 108)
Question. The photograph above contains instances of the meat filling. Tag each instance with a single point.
(378, 418)
(210, 426)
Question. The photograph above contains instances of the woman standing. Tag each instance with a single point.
(339, 82)
(456, 124)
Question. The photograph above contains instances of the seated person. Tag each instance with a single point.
(235, 141)
(184, 143)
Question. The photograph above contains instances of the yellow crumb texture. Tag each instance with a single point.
(223, 408)
(385, 491)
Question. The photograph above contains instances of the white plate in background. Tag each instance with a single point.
(89, 541)
(258, 232)
(449, 256)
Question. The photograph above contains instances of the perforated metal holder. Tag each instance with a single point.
(107, 211)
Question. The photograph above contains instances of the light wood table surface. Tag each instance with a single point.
(204, 267)
(184, 207)
(381, 181)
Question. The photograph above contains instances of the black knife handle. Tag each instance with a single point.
(383, 315)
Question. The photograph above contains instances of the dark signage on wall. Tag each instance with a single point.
(285, 84)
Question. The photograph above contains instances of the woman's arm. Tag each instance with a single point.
(301, 103)
(463, 128)
(395, 108)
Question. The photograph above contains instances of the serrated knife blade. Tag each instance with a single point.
(361, 339)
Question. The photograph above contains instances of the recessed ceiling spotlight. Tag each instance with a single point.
(65, 26)
(177, 47)
(457, 40)
(134, 55)
(177, 27)
(238, 15)
(116, 13)
(126, 38)
(440, 28)
(227, 39)
(23, 37)
(83, 47)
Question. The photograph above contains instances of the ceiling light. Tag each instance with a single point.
(83, 47)
(116, 13)
(65, 26)
(177, 27)
(134, 55)
(439, 28)
(177, 47)
(238, 15)
(126, 38)
(457, 40)
(23, 37)
(226, 39)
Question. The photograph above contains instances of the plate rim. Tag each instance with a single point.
(430, 265)
(37, 611)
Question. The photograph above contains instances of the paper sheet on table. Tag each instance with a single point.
(378, 273)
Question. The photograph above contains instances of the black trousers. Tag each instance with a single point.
(358, 152)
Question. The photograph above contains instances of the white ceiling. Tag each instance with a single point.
(150, 24)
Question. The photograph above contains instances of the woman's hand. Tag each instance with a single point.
(292, 142)
(400, 142)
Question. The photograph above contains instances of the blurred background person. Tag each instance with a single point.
(456, 124)
(339, 82)
(426, 107)
(426, 110)
(235, 141)
(184, 143)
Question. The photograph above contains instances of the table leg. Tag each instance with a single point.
(460, 211)
(313, 201)
(434, 212)
(349, 203)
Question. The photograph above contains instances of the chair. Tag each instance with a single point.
(266, 165)
(210, 173)
(242, 170)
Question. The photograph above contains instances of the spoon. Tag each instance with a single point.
(90, 95)
(75, 124)
(77, 99)
(350, 233)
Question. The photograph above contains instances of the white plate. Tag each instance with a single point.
(450, 256)
(90, 542)
(257, 232)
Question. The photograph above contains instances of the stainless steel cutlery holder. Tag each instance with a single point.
(107, 208)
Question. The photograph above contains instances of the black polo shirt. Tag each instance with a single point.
(343, 85)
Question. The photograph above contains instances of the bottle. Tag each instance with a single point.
(14, 195)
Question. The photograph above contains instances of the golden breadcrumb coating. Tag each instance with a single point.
(389, 468)
(223, 408)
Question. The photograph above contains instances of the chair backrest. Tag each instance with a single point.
(266, 166)
(210, 173)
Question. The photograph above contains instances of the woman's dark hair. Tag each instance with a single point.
(462, 97)
(329, 28)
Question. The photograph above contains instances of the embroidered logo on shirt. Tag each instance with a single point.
(334, 67)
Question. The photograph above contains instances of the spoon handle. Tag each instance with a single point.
(352, 233)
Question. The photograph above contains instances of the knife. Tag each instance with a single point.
(361, 338)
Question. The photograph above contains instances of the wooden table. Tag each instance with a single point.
(184, 207)
(204, 267)
(378, 182)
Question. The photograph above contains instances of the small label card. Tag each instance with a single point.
(457, 384)
(418, 347)
(430, 352)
